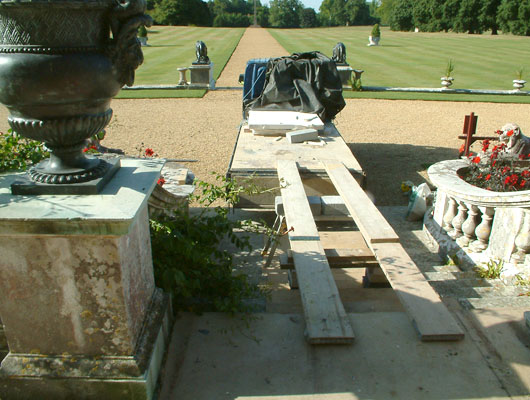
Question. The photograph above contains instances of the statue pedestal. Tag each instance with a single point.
(202, 75)
(345, 72)
(82, 316)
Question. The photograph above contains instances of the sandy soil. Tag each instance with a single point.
(393, 140)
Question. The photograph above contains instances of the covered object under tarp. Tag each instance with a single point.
(304, 82)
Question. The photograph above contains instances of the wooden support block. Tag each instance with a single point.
(429, 315)
(372, 224)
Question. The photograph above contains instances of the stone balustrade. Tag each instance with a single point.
(477, 221)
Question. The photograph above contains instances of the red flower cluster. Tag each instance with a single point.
(499, 170)
(161, 181)
(87, 149)
(149, 152)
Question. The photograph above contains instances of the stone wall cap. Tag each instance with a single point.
(109, 213)
(444, 175)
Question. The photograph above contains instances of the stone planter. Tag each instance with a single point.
(374, 41)
(59, 69)
(518, 84)
(481, 223)
(447, 81)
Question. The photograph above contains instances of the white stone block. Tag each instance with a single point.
(302, 135)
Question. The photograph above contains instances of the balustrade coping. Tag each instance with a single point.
(445, 176)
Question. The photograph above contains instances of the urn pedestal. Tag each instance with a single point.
(82, 316)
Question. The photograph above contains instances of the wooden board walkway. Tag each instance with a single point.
(325, 317)
(326, 320)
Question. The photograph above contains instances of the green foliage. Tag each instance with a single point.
(450, 67)
(358, 13)
(142, 31)
(376, 32)
(308, 18)
(402, 18)
(514, 16)
(231, 20)
(18, 153)
(519, 73)
(187, 256)
(181, 12)
(467, 19)
(492, 270)
(285, 13)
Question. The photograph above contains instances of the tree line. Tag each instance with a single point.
(471, 16)
(279, 14)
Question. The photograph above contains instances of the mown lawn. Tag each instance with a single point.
(408, 59)
(171, 47)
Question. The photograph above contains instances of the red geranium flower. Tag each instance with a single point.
(161, 181)
(149, 152)
(506, 170)
(509, 133)
(526, 173)
(522, 183)
(485, 145)
(488, 177)
(85, 149)
(475, 160)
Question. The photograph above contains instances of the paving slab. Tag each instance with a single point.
(220, 357)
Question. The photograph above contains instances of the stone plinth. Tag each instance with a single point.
(82, 316)
(202, 74)
(345, 72)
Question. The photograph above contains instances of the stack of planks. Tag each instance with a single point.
(326, 320)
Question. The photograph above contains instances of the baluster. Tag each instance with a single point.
(522, 240)
(469, 226)
(449, 215)
(458, 220)
(483, 230)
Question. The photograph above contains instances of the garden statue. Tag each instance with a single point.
(61, 62)
(516, 142)
(202, 53)
(339, 54)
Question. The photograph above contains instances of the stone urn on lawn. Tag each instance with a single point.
(375, 37)
(61, 62)
(447, 79)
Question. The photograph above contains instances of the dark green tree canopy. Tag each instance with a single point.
(285, 13)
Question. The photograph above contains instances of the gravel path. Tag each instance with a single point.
(393, 140)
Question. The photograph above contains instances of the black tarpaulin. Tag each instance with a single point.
(304, 82)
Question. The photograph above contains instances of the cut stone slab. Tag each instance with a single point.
(268, 359)
(302, 135)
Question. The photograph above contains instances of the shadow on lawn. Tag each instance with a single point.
(387, 165)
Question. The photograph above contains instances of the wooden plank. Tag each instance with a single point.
(372, 224)
(430, 317)
(299, 218)
(325, 317)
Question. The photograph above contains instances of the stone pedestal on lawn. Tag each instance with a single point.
(202, 75)
(345, 72)
(82, 316)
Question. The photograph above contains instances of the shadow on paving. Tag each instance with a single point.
(387, 165)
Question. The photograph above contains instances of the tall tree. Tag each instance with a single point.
(514, 16)
(308, 18)
(181, 12)
(285, 13)
(385, 10)
(450, 11)
(488, 15)
(467, 19)
(401, 18)
(358, 12)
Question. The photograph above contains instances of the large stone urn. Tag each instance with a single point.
(61, 62)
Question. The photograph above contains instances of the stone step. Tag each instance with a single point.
(462, 287)
(446, 268)
(450, 276)
(501, 291)
(496, 302)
